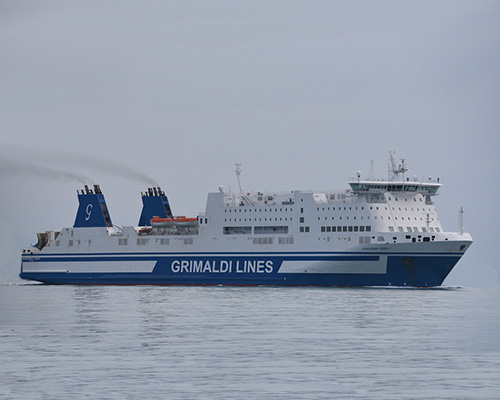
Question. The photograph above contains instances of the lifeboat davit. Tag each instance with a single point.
(186, 222)
(159, 222)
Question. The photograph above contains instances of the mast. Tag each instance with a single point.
(461, 221)
(243, 197)
(397, 170)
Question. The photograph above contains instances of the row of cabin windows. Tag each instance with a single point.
(346, 228)
(340, 208)
(270, 240)
(71, 242)
(362, 208)
(414, 199)
(375, 217)
(256, 219)
(239, 210)
(340, 218)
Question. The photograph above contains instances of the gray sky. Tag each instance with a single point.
(302, 93)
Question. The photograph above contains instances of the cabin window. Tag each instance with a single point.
(237, 230)
(364, 239)
(263, 240)
(267, 230)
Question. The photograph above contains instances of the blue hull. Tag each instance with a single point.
(401, 270)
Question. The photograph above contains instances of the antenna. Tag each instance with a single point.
(392, 167)
(402, 169)
(371, 170)
(461, 221)
(238, 173)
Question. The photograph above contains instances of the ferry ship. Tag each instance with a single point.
(374, 233)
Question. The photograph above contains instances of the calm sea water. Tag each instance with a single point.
(69, 342)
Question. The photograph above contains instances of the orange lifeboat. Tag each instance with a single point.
(186, 222)
(159, 222)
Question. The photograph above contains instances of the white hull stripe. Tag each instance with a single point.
(334, 267)
(92, 266)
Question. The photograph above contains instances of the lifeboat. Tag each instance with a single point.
(159, 222)
(145, 230)
(186, 222)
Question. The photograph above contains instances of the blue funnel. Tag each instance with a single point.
(92, 211)
(154, 204)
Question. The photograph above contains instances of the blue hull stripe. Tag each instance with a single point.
(407, 270)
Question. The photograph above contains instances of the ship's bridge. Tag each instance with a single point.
(397, 183)
(426, 188)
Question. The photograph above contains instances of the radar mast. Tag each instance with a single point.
(397, 170)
